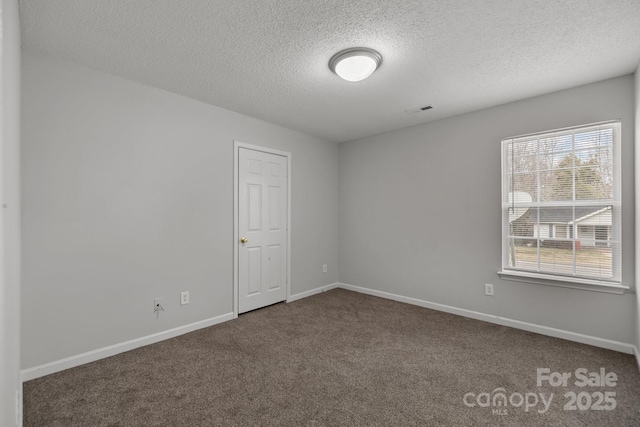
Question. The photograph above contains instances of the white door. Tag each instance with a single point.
(262, 229)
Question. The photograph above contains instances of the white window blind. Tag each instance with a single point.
(561, 203)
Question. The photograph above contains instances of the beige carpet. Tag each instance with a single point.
(339, 358)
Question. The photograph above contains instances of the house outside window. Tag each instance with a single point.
(561, 204)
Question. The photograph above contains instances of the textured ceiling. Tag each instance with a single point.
(268, 58)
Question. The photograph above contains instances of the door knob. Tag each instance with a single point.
(244, 240)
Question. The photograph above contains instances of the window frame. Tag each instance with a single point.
(613, 285)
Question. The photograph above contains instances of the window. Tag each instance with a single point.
(568, 179)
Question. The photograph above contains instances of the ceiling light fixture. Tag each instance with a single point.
(355, 64)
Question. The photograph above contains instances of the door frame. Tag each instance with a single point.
(237, 145)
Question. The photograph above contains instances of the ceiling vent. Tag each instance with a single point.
(418, 110)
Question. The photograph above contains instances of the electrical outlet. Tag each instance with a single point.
(157, 305)
(184, 297)
(488, 289)
(324, 268)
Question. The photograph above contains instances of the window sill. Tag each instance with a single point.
(563, 282)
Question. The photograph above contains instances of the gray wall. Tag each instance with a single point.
(10, 381)
(420, 212)
(637, 165)
(128, 195)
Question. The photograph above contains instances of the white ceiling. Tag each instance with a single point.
(268, 58)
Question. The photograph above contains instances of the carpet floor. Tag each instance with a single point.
(343, 358)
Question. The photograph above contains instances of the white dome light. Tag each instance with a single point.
(355, 64)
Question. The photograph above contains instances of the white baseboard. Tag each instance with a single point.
(531, 327)
(306, 294)
(92, 356)
(112, 350)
